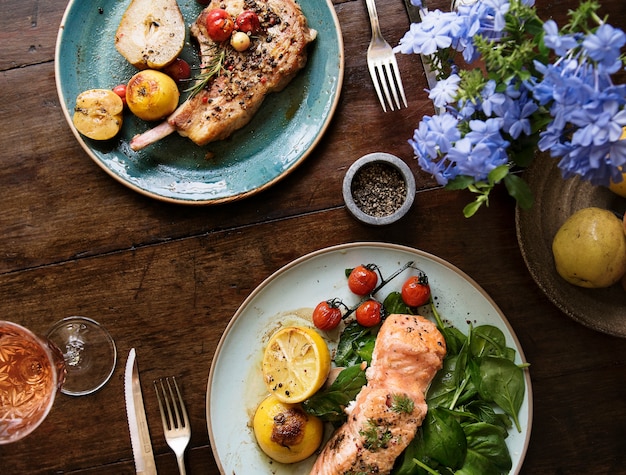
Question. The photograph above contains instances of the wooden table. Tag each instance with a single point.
(166, 278)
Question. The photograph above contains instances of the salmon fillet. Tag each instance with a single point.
(409, 351)
(231, 99)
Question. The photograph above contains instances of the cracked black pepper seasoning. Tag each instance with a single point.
(378, 189)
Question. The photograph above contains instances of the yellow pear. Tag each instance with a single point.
(151, 33)
(590, 248)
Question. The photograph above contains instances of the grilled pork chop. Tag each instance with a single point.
(387, 412)
(231, 98)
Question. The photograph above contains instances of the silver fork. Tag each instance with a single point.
(382, 64)
(176, 428)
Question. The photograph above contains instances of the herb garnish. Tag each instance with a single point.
(375, 438)
(402, 403)
(214, 69)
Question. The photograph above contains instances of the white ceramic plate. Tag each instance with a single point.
(235, 385)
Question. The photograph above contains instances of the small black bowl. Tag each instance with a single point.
(394, 164)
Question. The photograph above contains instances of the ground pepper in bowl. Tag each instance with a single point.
(378, 189)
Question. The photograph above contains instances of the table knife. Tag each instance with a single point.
(137, 423)
(415, 15)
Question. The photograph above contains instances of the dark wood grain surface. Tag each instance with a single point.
(166, 278)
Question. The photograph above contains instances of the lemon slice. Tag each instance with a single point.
(296, 363)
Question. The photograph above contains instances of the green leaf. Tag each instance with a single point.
(393, 303)
(460, 182)
(471, 209)
(444, 439)
(501, 381)
(519, 190)
(355, 345)
(487, 452)
(498, 174)
(328, 404)
(488, 340)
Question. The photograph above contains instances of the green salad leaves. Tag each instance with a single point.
(472, 403)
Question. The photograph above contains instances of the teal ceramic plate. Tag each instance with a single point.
(280, 136)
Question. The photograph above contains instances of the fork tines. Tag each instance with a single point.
(171, 404)
(388, 76)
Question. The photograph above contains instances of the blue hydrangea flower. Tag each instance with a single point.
(604, 45)
(445, 91)
(582, 114)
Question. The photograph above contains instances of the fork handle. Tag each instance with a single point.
(371, 9)
(181, 464)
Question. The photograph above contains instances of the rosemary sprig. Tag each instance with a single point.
(214, 68)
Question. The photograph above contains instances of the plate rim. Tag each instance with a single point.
(206, 201)
(353, 245)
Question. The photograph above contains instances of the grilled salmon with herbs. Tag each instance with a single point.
(386, 414)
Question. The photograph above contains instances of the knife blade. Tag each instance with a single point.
(415, 15)
(136, 415)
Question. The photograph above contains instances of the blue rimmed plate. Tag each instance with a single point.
(280, 136)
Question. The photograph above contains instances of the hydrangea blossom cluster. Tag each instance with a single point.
(540, 87)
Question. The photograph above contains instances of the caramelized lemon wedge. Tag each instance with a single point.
(285, 432)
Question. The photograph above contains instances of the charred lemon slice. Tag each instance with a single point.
(285, 432)
(296, 364)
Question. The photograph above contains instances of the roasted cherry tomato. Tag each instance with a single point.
(179, 70)
(416, 291)
(362, 279)
(369, 313)
(120, 90)
(248, 22)
(219, 24)
(326, 315)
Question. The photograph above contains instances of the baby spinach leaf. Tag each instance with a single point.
(406, 464)
(443, 386)
(501, 381)
(356, 344)
(328, 404)
(487, 452)
(393, 303)
(484, 412)
(444, 438)
(455, 339)
(487, 340)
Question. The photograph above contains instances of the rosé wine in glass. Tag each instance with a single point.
(77, 357)
(31, 373)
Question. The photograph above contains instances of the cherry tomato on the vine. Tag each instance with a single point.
(326, 315)
(219, 24)
(369, 313)
(362, 280)
(248, 22)
(416, 291)
(120, 90)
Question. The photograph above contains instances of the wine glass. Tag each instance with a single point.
(77, 357)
